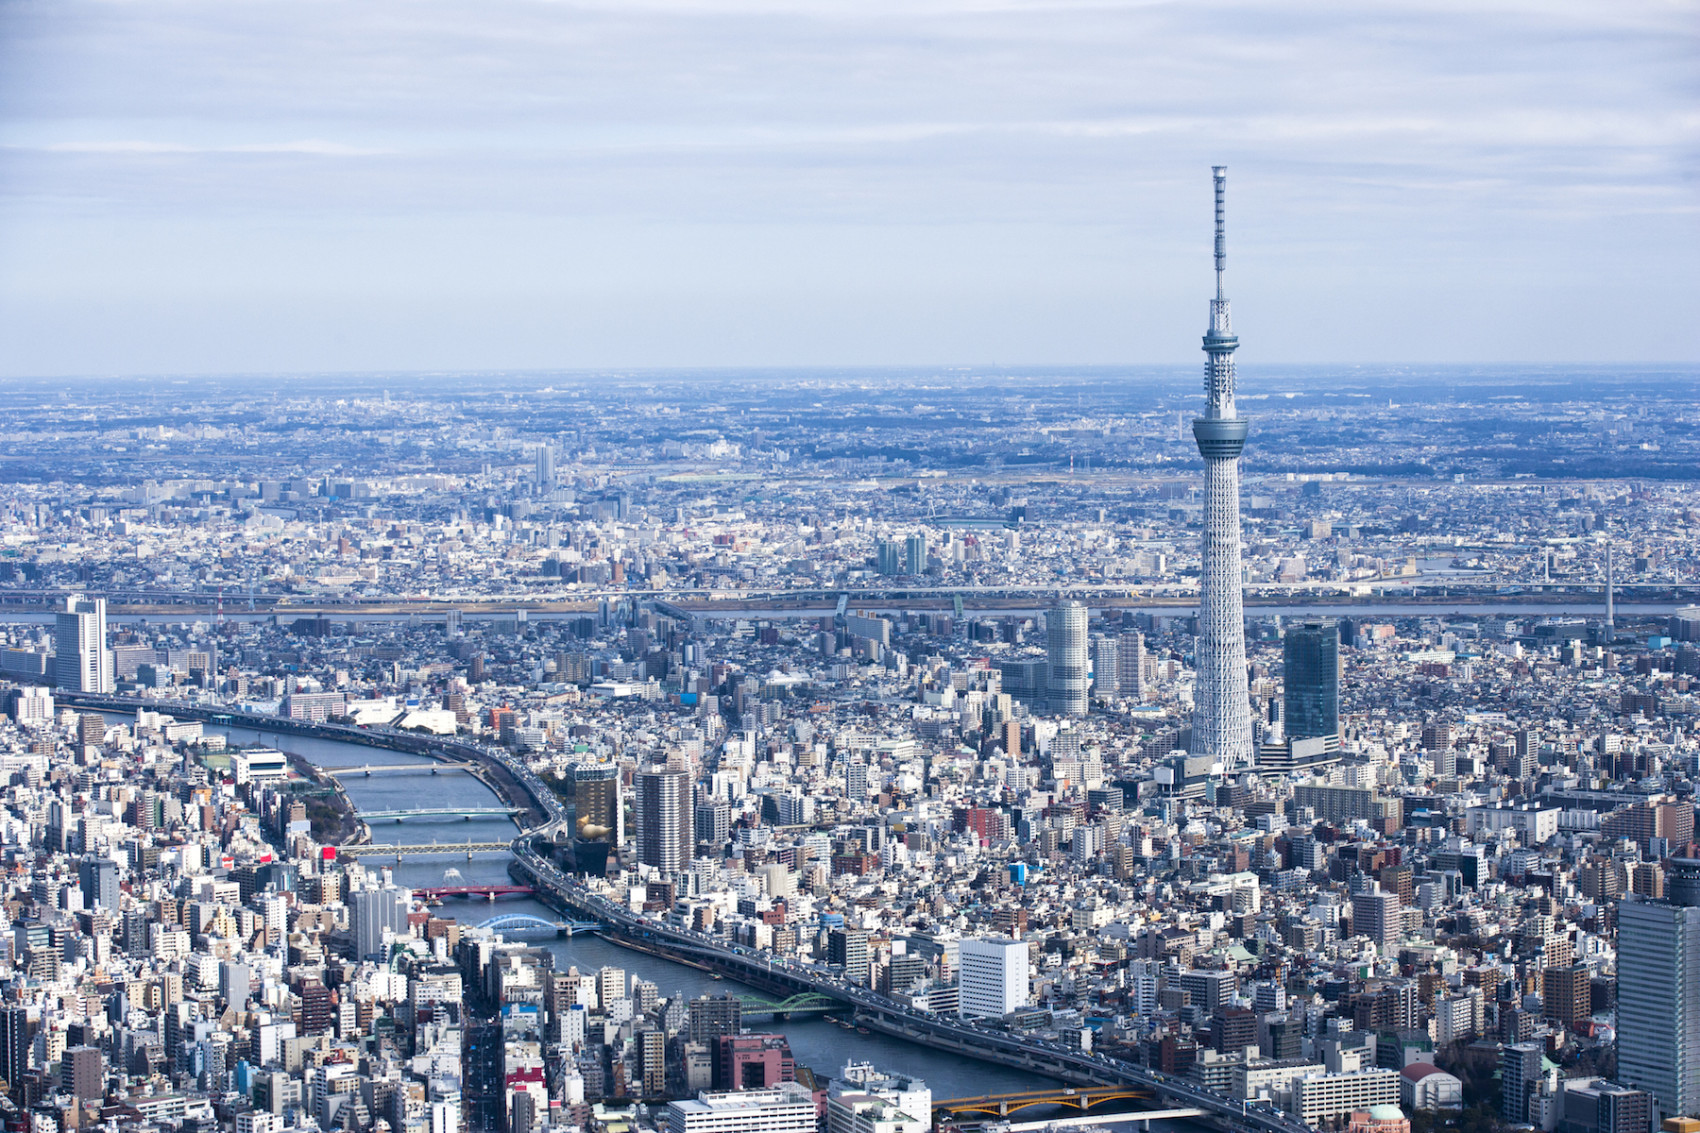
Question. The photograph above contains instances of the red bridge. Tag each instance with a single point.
(489, 892)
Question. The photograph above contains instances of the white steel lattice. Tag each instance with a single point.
(1221, 720)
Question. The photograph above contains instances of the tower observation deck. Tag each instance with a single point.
(1221, 720)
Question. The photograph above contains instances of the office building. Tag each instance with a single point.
(848, 948)
(98, 879)
(1658, 992)
(1066, 680)
(545, 466)
(665, 818)
(1221, 719)
(376, 913)
(786, 1108)
(82, 663)
(993, 977)
(1324, 1096)
(1023, 679)
(1311, 656)
(864, 1100)
(1593, 1105)
(753, 1062)
(598, 815)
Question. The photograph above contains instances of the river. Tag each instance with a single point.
(821, 1046)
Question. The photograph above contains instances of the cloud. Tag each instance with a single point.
(308, 147)
(1048, 153)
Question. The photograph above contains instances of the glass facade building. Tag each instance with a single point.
(1311, 652)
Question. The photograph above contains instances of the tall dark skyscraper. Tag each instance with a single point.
(1658, 992)
(1311, 652)
(1221, 718)
(15, 1040)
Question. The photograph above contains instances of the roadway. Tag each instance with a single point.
(1494, 591)
(966, 1036)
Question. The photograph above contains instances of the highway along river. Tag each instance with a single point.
(823, 1047)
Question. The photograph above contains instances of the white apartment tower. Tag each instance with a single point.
(82, 663)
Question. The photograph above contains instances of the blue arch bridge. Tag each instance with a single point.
(526, 923)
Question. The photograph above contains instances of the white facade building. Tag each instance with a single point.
(787, 1108)
(81, 662)
(994, 977)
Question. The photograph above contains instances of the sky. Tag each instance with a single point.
(271, 186)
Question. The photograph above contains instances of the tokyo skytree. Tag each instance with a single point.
(1221, 717)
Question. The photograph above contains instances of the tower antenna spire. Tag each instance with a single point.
(1221, 720)
(1219, 174)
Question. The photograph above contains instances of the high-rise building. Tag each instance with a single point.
(710, 1016)
(1519, 1074)
(1311, 653)
(1567, 994)
(1378, 916)
(1130, 665)
(1658, 992)
(598, 815)
(915, 554)
(98, 879)
(1221, 719)
(82, 662)
(375, 912)
(993, 978)
(848, 948)
(665, 818)
(545, 466)
(1106, 668)
(82, 1073)
(16, 1039)
(888, 554)
(1065, 646)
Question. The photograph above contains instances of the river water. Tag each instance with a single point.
(821, 1046)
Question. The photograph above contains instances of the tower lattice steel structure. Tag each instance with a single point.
(1221, 719)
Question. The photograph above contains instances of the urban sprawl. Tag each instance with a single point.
(875, 695)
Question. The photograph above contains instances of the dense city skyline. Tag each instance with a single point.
(571, 567)
(875, 694)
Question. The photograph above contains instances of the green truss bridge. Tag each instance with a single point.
(805, 1003)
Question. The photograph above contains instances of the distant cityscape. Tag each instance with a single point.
(876, 698)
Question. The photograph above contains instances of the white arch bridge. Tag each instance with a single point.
(525, 922)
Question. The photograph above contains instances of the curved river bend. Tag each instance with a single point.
(823, 1047)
